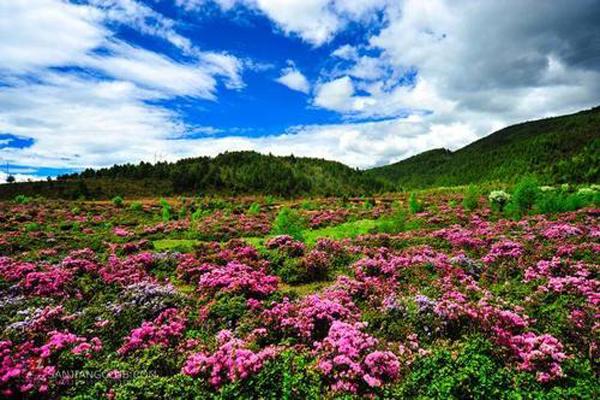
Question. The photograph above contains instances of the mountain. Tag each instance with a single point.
(230, 173)
(555, 150)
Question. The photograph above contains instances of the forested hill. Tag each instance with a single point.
(556, 150)
(560, 149)
(230, 173)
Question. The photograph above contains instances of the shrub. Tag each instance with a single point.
(254, 209)
(199, 213)
(413, 204)
(348, 357)
(269, 200)
(292, 271)
(471, 199)
(166, 210)
(228, 309)
(524, 196)
(232, 361)
(289, 222)
(395, 223)
(136, 206)
(117, 201)
(22, 199)
(551, 202)
(32, 227)
(290, 375)
(308, 205)
(473, 372)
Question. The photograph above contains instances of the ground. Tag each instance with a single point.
(438, 294)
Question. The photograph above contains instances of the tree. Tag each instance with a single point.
(10, 179)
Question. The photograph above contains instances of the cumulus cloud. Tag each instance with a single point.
(314, 21)
(482, 65)
(362, 145)
(46, 33)
(436, 74)
(294, 79)
(98, 110)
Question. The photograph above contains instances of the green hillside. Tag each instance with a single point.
(560, 149)
(234, 173)
(555, 150)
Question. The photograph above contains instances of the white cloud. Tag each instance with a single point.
(45, 33)
(98, 113)
(345, 52)
(338, 95)
(18, 177)
(60, 34)
(294, 79)
(315, 21)
(359, 145)
(142, 18)
(155, 71)
(479, 66)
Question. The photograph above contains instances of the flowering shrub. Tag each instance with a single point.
(238, 278)
(11, 270)
(541, 354)
(499, 198)
(319, 219)
(502, 250)
(311, 318)
(232, 361)
(446, 304)
(165, 329)
(52, 282)
(347, 357)
(561, 231)
(286, 244)
(131, 269)
(29, 369)
(146, 297)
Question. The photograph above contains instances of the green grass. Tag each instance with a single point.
(182, 245)
(304, 289)
(346, 230)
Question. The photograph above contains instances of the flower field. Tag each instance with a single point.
(440, 294)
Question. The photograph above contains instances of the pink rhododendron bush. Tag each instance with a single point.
(320, 298)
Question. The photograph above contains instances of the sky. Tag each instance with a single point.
(92, 83)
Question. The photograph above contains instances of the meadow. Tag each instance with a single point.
(463, 292)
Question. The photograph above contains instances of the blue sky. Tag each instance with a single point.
(91, 83)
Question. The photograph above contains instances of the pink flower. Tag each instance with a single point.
(348, 359)
(503, 249)
(166, 328)
(232, 361)
(121, 232)
(238, 278)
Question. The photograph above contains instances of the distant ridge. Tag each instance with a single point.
(556, 150)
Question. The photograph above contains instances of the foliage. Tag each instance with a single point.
(374, 303)
(117, 201)
(166, 210)
(136, 206)
(554, 150)
(524, 196)
(413, 204)
(289, 222)
(254, 209)
(393, 224)
(498, 199)
(22, 199)
(471, 198)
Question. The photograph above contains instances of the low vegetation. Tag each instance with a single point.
(465, 292)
